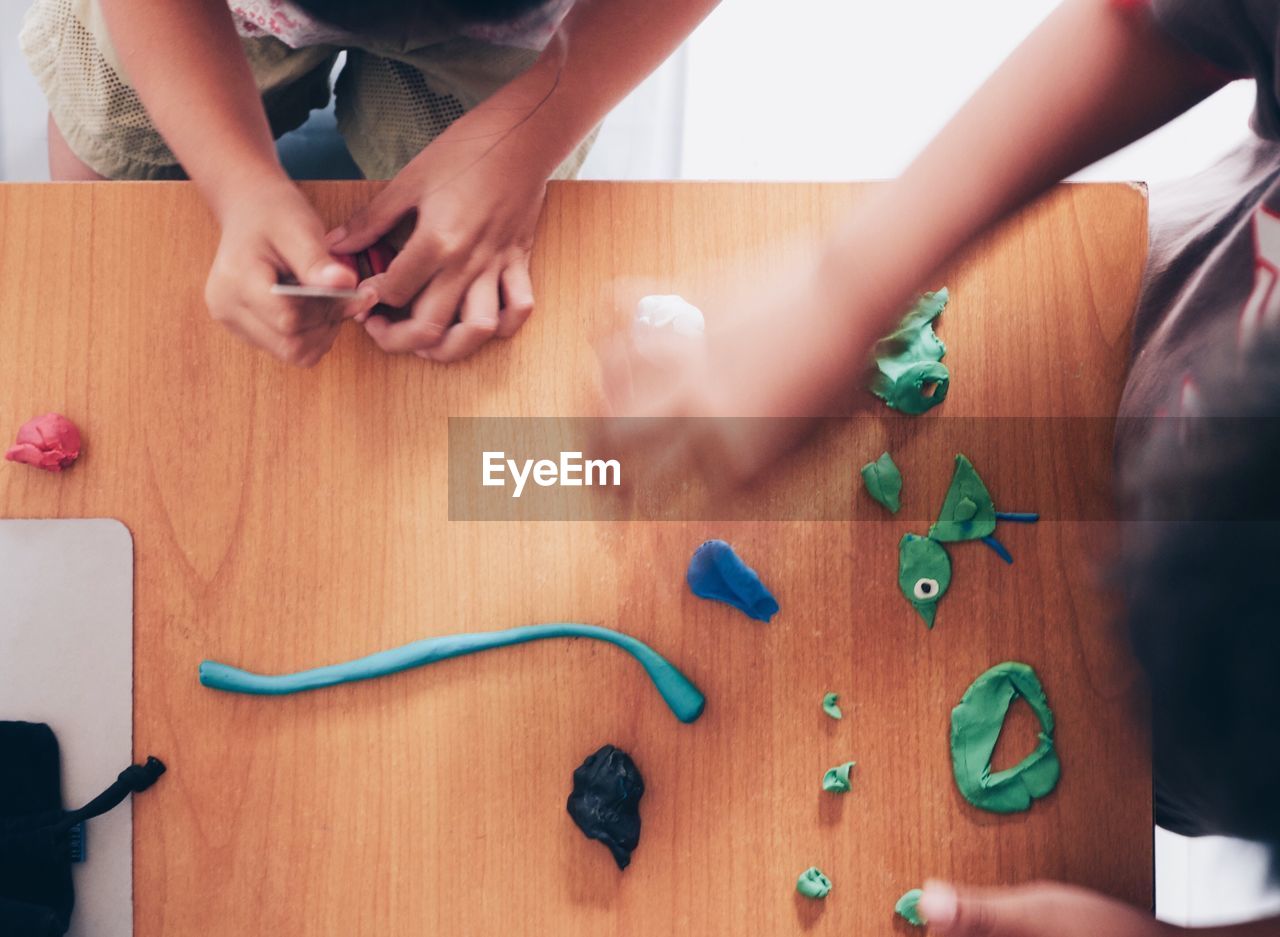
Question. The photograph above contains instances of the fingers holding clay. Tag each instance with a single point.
(883, 482)
(910, 375)
(908, 908)
(924, 574)
(813, 884)
(716, 572)
(50, 442)
(605, 803)
(975, 728)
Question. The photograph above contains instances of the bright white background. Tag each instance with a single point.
(828, 89)
(808, 89)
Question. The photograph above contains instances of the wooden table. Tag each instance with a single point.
(287, 518)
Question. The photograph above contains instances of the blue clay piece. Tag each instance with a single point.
(716, 572)
(685, 699)
(999, 549)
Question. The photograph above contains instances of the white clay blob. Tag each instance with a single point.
(669, 313)
(926, 589)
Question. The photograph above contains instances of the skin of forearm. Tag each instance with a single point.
(1095, 76)
(603, 50)
(185, 61)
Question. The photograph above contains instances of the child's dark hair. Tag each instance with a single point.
(355, 15)
(1200, 563)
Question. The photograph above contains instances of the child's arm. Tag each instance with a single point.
(1048, 910)
(478, 188)
(184, 59)
(1094, 76)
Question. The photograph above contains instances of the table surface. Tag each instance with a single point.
(286, 518)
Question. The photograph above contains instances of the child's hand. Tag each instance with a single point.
(1047, 909)
(265, 238)
(464, 270)
(770, 363)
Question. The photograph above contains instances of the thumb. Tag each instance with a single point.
(364, 228)
(1024, 911)
(304, 253)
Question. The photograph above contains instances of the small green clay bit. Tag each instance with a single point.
(908, 908)
(836, 780)
(829, 706)
(884, 482)
(813, 884)
(910, 375)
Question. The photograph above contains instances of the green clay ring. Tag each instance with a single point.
(975, 728)
(921, 387)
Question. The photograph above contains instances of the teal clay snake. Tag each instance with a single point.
(679, 693)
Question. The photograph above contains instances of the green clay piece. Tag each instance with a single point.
(975, 728)
(908, 908)
(813, 884)
(678, 692)
(836, 780)
(910, 375)
(884, 482)
(829, 706)
(968, 512)
(924, 574)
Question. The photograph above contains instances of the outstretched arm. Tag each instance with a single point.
(1096, 75)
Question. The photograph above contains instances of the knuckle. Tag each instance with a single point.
(392, 293)
(427, 333)
(444, 243)
(485, 327)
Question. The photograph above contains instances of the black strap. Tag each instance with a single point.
(132, 780)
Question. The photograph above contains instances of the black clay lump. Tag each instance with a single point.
(605, 802)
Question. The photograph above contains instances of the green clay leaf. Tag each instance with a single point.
(975, 728)
(813, 884)
(829, 706)
(836, 780)
(884, 482)
(910, 375)
(908, 908)
(924, 574)
(968, 512)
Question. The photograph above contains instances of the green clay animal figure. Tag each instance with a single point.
(968, 513)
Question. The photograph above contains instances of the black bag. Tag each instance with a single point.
(39, 840)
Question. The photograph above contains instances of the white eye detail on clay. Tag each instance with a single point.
(926, 590)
